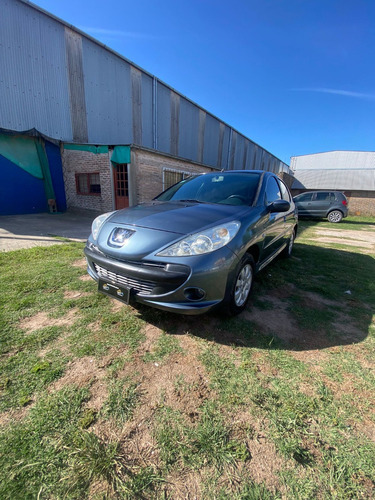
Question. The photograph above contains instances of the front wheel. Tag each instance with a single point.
(241, 286)
(335, 216)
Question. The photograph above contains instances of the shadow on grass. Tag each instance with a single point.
(317, 299)
(306, 222)
(359, 223)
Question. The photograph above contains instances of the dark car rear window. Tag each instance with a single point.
(233, 189)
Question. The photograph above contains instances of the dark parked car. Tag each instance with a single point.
(195, 246)
(323, 204)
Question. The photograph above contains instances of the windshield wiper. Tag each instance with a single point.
(192, 201)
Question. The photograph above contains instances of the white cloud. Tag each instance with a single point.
(116, 33)
(346, 93)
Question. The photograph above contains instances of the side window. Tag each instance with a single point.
(272, 191)
(284, 191)
(304, 197)
(322, 196)
(332, 197)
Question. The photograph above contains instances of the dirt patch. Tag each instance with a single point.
(85, 277)
(317, 301)
(265, 462)
(282, 292)
(346, 233)
(368, 429)
(179, 381)
(99, 393)
(117, 305)
(152, 334)
(43, 320)
(362, 239)
(348, 331)
(12, 416)
(81, 373)
(75, 294)
(351, 243)
(313, 358)
(80, 263)
(184, 485)
(276, 321)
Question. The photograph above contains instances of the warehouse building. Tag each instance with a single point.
(83, 127)
(352, 172)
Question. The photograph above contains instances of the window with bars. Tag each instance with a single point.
(88, 184)
(171, 177)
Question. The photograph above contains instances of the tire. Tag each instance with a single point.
(287, 252)
(240, 288)
(335, 216)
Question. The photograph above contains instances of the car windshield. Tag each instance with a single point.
(227, 189)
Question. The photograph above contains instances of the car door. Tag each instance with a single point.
(289, 217)
(304, 204)
(275, 227)
(320, 203)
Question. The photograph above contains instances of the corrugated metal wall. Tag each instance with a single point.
(335, 159)
(341, 179)
(72, 88)
(345, 170)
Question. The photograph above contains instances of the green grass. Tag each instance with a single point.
(208, 443)
(158, 420)
(122, 400)
(165, 346)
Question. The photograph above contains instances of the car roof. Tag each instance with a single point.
(228, 172)
(322, 191)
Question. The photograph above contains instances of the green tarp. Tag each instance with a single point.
(121, 154)
(22, 151)
(87, 147)
(29, 154)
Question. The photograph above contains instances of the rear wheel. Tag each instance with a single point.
(335, 216)
(241, 286)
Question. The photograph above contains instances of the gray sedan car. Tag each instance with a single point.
(197, 245)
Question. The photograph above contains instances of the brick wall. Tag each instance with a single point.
(75, 162)
(145, 179)
(148, 168)
(361, 202)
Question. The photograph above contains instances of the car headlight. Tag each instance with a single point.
(97, 224)
(204, 242)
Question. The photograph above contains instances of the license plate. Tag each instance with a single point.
(118, 292)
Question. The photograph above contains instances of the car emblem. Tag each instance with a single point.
(120, 237)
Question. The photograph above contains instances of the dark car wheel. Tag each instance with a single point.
(335, 216)
(241, 286)
(287, 252)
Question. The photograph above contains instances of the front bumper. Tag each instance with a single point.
(193, 286)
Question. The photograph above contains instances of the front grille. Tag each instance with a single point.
(139, 286)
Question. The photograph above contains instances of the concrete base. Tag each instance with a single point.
(30, 230)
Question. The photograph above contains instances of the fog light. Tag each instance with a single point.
(194, 294)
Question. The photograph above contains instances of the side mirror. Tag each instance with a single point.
(279, 206)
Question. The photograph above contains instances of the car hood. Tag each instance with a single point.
(176, 217)
(158, 224)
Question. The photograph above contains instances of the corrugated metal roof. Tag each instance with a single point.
(70, 87)
(33, 85)
(338, 179)
(335, 159)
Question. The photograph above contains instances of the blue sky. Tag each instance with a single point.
(295, 76)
